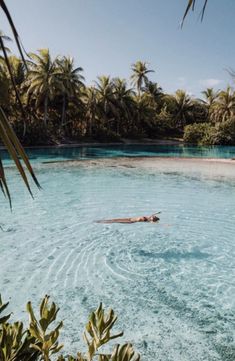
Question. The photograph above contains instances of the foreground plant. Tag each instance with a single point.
(40, 339)
(7, 134)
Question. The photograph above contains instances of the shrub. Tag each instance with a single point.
(40, 340)
(223, 133)
(197, 133)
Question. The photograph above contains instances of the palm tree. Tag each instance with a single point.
(154, 93)
(90, 100)
(139, 77)
(17, 73)
(42, 80)
(70, 81)
(144, 115)
(224, 107)
(180, 106)
(18, 69)
(106, 101)
(124, 101)
(210, 97)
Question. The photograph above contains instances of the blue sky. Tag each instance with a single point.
(106, 36)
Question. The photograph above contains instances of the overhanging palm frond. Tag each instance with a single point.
(13, 28)
(7, 135)
(16, 152)
(191, 6)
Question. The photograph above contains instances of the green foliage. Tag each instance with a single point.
(98, 330)
(3, 306)
(124, 353)
(59, 107)
(223, 133)
(196, 133)
(46, 341)
(15, 342)
(40, 340)
(206, 134)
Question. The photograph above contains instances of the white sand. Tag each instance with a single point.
(198, 166)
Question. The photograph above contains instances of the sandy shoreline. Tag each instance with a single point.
(198, 166)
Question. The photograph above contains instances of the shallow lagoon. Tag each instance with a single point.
(112, 151)
(172, 284)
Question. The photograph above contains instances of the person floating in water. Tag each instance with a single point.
(152, 219)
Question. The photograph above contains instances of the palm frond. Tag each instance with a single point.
(7, 134)
(13, 28)
(191, 6)
(3, 184)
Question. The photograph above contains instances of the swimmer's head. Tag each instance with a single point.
(154, 219)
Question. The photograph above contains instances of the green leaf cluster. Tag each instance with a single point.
(39, 341)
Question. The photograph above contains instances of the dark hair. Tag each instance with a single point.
(154, 218)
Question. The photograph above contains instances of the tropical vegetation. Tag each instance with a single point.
(40, 339)
(54, 105)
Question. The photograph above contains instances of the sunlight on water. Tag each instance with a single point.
(172, 284)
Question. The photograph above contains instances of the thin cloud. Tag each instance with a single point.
(210, 83)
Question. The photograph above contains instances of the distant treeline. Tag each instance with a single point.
(55, 105)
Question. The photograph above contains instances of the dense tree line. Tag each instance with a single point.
(55, 105)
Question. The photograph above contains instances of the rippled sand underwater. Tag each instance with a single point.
(171, 284)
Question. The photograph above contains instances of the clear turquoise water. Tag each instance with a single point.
(62, 153)
(172, 284)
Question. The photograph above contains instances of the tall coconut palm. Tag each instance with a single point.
(144, 115)
(139, 77)
(42, 80)
(210, 96)
(106, 101)
(8, 65)
(124, 101)
(154, 93)
(180, 106)
(224, 107)
(90, 100)
(17, 73)
(70, 82)
(18, 69)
